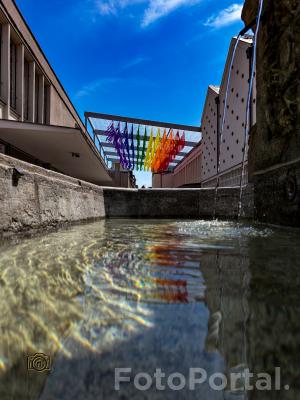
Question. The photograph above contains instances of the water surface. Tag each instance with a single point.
(144, 295)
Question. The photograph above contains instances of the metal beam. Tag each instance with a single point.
(139, 121)
(118, 160)
(114, 153)
(103, 133)
(110, 145)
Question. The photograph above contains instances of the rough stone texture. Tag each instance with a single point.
(276, 139)
(276, 207)
(176, 203)
(44, 199)
(249, 11)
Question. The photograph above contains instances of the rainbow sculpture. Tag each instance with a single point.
(156, 156)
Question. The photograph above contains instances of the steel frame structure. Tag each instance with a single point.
(106, 149)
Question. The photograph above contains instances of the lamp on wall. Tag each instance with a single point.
(16, 175)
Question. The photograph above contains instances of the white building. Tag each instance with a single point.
(223, 149)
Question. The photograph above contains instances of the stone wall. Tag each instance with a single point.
(176, 203)
(275, 143)
(34, 198)
(274, 198)
(278, 82)
(43, 199)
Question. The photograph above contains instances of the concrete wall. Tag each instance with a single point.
(230, 178)
(44, 199)
(156, 180)
(231, 151)
(277, 195)
(165, 180)
(175, 203)
(188, 172)
(275, 142)
(121, 179)
(231, 148)
(168, 181)
(210, 133)
(59, 114)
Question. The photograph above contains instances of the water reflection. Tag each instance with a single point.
(147, 295)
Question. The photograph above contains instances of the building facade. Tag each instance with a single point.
(38, 122)
(30, 90)
(220, 152)
(186, 173)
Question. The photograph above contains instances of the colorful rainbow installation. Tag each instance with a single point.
(155, 157)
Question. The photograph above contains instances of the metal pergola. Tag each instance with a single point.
(99, 124)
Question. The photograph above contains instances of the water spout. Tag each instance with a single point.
(247, 122)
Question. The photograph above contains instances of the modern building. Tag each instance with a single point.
(185, 173)
(38, 122)
(219, 153)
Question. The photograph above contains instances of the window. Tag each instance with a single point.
(1, 57)
(26, 90)
(46, 104)
(13, 75)
(37, 95)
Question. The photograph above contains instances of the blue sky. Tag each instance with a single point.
(151, 59)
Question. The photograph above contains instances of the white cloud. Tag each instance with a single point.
(160, 8)
(154, 10)
(106, 7)
(135, 61)
(225, 17)
(95, 85)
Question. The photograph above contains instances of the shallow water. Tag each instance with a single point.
(172, 295)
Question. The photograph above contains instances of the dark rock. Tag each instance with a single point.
(249, 11)
(276, 141)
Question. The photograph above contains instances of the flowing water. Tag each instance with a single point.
(147, 295)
